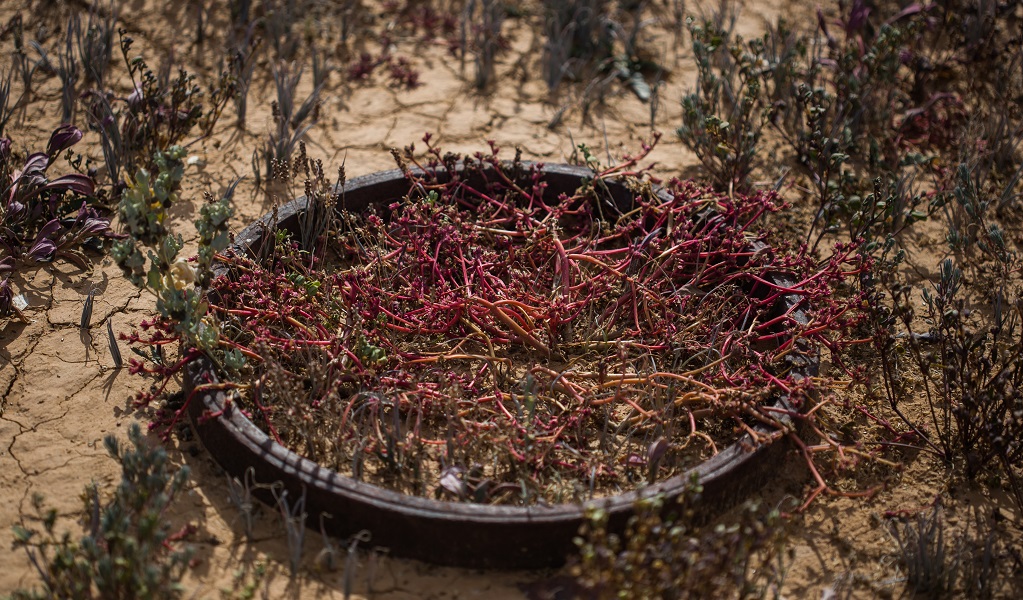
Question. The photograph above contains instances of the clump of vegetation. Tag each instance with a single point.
(722, 121)
(43, 218)
(175, 282)
(595, 44)
(398, 69)
(144, 203)
(95, 42)
(160, 112)
(290, 121)
(942, 563)
(128, 549)
(669, 557)
(482, 38)
(971, 372)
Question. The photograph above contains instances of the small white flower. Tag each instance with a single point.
(181, 275)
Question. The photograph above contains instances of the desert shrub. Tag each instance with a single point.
(127, 550)
(972, 375)
(968, 359)
(162, 110)
(723, 117)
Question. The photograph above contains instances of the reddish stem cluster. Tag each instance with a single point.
(529, 346)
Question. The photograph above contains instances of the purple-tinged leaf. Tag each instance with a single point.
(919, 110)
(6, 295)
(43, 250)
(49, 230)
(822, 23)
(910, 10)
(451, 480)
(86, 224)
(857, 17)
(635, 460)
(61, 139)
(35, 167)
(7, 265)
(75, 182)
(5, 149)
(94, 226)
(15, 211)
(74, 256)
(36, 211)
(84, 213)
(656, 450)
(75, 224)
(135, 98)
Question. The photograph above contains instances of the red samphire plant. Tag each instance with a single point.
(484, 339)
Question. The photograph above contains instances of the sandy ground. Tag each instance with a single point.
(61, 394)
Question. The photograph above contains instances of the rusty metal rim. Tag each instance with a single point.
(477, 535)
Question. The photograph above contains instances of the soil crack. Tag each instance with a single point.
(14, 440)
(18, 374)
(123, 308)
(35, 427)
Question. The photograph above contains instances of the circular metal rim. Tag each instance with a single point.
(444, 532)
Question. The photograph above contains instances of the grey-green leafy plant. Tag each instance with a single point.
(145, 202)
(293, 516)
(839, 110)
(143, 210)
(481, 36)
(6, 107)
(240, 493)
(577, 37)
(931, 558)
(128, 548)
(969, 211)
(20, 62)
(278, 23)
(722, 119)
(104, 119)
(328, 558)
(68, 70)
(176, 283)
(213, 234)
(595, 43)
(242, 64)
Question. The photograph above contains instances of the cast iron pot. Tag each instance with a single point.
(456, 533)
